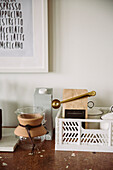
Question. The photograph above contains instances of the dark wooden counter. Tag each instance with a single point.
(49, 159)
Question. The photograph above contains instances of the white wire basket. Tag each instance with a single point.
(71, 136)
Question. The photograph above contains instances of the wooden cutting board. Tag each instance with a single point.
(80, 104)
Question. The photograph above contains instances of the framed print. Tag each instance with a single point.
(23, 36)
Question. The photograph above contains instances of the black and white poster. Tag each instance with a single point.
(16, 28)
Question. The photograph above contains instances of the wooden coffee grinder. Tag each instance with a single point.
(74, 103)
(76, 108)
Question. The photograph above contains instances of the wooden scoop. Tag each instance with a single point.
(56, 103)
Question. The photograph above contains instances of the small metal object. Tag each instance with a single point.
(90, 104)
(56, 103)
(111, 108)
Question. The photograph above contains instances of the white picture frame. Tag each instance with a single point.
(39, 61)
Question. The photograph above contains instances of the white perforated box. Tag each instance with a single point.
(71, 136)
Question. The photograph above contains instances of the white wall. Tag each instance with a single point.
(81, 56)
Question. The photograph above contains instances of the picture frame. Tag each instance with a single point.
(38, 62)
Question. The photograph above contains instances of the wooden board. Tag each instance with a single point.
(80, 104)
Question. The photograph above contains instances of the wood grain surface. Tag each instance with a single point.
(46, 158)
(80, 104)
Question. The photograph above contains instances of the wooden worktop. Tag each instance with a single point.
(46, 158)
